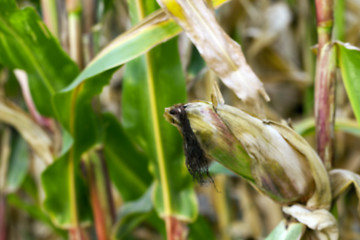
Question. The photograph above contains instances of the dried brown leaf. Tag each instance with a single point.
(222, 54)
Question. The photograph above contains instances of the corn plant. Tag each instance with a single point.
(88, 150)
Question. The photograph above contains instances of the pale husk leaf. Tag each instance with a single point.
(34, 135)
(322, 195)
(321, 221)
(275, 161)
(341, 180)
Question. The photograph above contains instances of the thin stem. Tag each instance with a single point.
(325, 83)
(89, 21)
(24, 84)
(4, 158)
(324, 17)
(101, 200)
(4, 161)
(75, 232)
(2, 217)
(175, 229)
(74, 18)
(339, 23)
(50, 16)
(74, 9)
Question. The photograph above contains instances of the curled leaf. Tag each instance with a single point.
(341, 180)
(320, 220)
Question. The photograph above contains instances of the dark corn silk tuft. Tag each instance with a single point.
(196, 161)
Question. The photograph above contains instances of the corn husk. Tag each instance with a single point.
(271, 156)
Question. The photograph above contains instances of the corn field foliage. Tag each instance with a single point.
(179, 119)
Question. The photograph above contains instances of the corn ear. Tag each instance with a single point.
(271, 156)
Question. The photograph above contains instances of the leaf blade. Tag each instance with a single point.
(26, 43)
(150, 32)
(349, 57)
(153, 77)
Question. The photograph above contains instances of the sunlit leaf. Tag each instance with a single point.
(26, 43)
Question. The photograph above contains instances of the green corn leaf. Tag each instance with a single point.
(349, 58)
(132, 214)
(150, 84)
(34, 211)
(150, 32)
(57, 184)
(26, 43)
(80, 120)
(201, 229)
(135, 212)
(18, 165)
(122, 157)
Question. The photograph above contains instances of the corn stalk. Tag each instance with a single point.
(325, 82)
